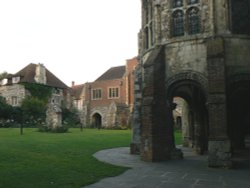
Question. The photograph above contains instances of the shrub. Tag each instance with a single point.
(44, 128)
(34, 110)
(70, 117)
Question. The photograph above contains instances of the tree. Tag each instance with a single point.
(5, 109)
(34, 110)
(3, 75)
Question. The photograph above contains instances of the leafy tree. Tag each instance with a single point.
(70, 117)
(3, 75)
(34, 110)
(5, 109)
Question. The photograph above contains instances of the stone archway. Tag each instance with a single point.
(97, 120)
(195, 115)
(239, 113)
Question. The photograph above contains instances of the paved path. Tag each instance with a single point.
(191, 172)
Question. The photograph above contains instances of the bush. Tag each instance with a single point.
(70, 117)
(34, 110)
(44, 128)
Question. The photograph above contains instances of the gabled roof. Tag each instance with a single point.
(113, 73)
(77, 90)
(27, 74)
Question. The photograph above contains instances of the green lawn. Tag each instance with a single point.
(44, 160)
(64, 160)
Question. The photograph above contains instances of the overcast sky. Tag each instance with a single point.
(77, 40)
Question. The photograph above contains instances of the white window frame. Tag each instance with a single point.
(96, 96)
(15, 80)
(113, 92)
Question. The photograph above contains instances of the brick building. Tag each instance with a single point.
(108, 101)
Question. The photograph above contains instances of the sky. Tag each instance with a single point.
(77, 40)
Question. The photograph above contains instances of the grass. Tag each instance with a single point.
(47, 160)
(178, 137)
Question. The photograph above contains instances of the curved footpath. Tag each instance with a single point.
(191, 172)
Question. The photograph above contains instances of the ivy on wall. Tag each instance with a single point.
(39, 91)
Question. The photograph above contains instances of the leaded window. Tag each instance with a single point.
(96, 94)
(193, 21)
(190, 2)
(178, 23)
(177, 3)
(113, 92)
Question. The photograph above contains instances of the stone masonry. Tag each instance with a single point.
(194, 50)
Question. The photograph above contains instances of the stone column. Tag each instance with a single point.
(219, 147)
(157, 139)
(136, 119)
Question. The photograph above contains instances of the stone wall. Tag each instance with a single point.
(112, 116)
(200, 67)
(15, 90)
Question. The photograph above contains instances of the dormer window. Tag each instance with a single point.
(15, 79)
(3, 81)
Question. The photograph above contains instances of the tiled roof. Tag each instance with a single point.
(113, 73)
(27, 74)
(77, 90)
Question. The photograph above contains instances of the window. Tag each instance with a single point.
(178, 23)
(96, 94)
(14, 101)
(190, 2)
(78, 104)
(4, 81)
(15, 80)
(186, 18)
(148, 30)
(113, 92)
(193, 21)
(240, 16)
(177, 3)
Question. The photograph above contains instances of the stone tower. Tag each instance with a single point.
(197, 50)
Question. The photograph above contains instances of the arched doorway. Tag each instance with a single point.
(239, 115)
(97, 120)
(194, 113)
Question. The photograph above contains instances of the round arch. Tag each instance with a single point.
(239, 111)
(192, 88)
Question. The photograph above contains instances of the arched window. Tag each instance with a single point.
(240, 15)
(190, 2)
(177, 3)
(193, 19)
(178, 23)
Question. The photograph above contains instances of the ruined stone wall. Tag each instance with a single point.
(185, 56)
(237, 56)
(113, 116)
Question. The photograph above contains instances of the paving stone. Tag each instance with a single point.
(191, 172)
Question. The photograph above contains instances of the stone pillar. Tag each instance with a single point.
(136, 119)
(157, 139)
(185, 125)
(219, 148)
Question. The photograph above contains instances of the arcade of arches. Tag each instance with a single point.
(196, 51)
